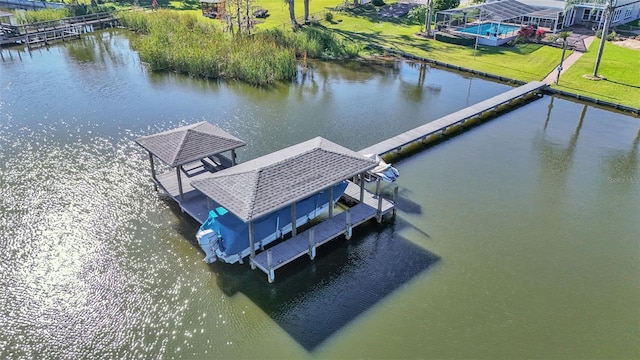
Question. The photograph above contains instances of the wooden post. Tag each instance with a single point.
(348, 232)
(362, 187)
(153, 172)
(395, 199)
(252, 245)
(312, 244)
(379, 212)
(278, 230)
(233, 157)
(179, 181)
(294, 230)
(271, 275)
(330, 202)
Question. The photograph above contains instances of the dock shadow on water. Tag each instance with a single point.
(312, 300)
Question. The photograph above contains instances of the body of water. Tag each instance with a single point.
(518, 239)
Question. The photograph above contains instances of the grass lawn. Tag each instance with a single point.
(619, 66)
(367, 27)
(524, 62)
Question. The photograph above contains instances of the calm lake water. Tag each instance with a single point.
(518, 239)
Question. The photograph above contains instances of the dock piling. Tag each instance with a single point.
(312, 244)
(348, 231)
(272, 273)
(395, 200)
(379, 210)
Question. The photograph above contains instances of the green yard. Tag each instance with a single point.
(620, 68)
(524, 62)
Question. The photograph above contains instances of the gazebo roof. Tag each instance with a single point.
(271, 182)
(189, 143)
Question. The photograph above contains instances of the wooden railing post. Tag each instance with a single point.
(272, 273)
(379, 211)
(312, 244)
(349, 229)
(395, 199)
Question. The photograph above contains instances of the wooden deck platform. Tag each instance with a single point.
(44, 32)
(192, 202)
(307, 241)
(457, 118)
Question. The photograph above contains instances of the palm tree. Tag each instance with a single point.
(608, 11)
(306, 11)
(563, 35)
(292, 13)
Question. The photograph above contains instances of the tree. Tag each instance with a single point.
(418, 14)
(292, 13)
(608, 11)
(306, 11)
(439, 5)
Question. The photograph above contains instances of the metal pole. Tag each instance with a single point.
(477, 32)
(564, 48)
(428, 19)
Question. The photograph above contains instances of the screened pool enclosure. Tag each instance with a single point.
(498, 22)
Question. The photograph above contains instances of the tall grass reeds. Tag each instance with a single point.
(187, 43)
(27, 17)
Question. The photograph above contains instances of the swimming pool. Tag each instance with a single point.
(491, 29)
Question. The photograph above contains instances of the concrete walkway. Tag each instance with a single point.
(569, 60)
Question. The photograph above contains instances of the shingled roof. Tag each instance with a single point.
(189, 143)
(263, 185)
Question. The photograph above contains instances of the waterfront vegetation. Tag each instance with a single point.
(194, 45)
(50, 14)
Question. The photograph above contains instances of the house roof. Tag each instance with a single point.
(189, 143)
(263, 185)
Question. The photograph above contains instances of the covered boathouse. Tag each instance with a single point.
(204, 180)
(262, 186)
(194, 151)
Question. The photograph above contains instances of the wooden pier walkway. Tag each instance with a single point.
(45, 32)
(457, 118)
(307, 241)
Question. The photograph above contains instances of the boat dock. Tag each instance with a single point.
(45, 32)
(191, 201)
(193, 152)
(253, 190)
(458, 118)
(341, 224)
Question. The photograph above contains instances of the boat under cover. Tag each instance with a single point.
(223, 235)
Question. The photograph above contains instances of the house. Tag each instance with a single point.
(590, 13)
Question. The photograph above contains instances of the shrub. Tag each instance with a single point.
(328, 16)
(540, 34)
(378, 2)
(519, 40)
(418, 14)
(526, 32)
(612, 36)
(440, 5)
